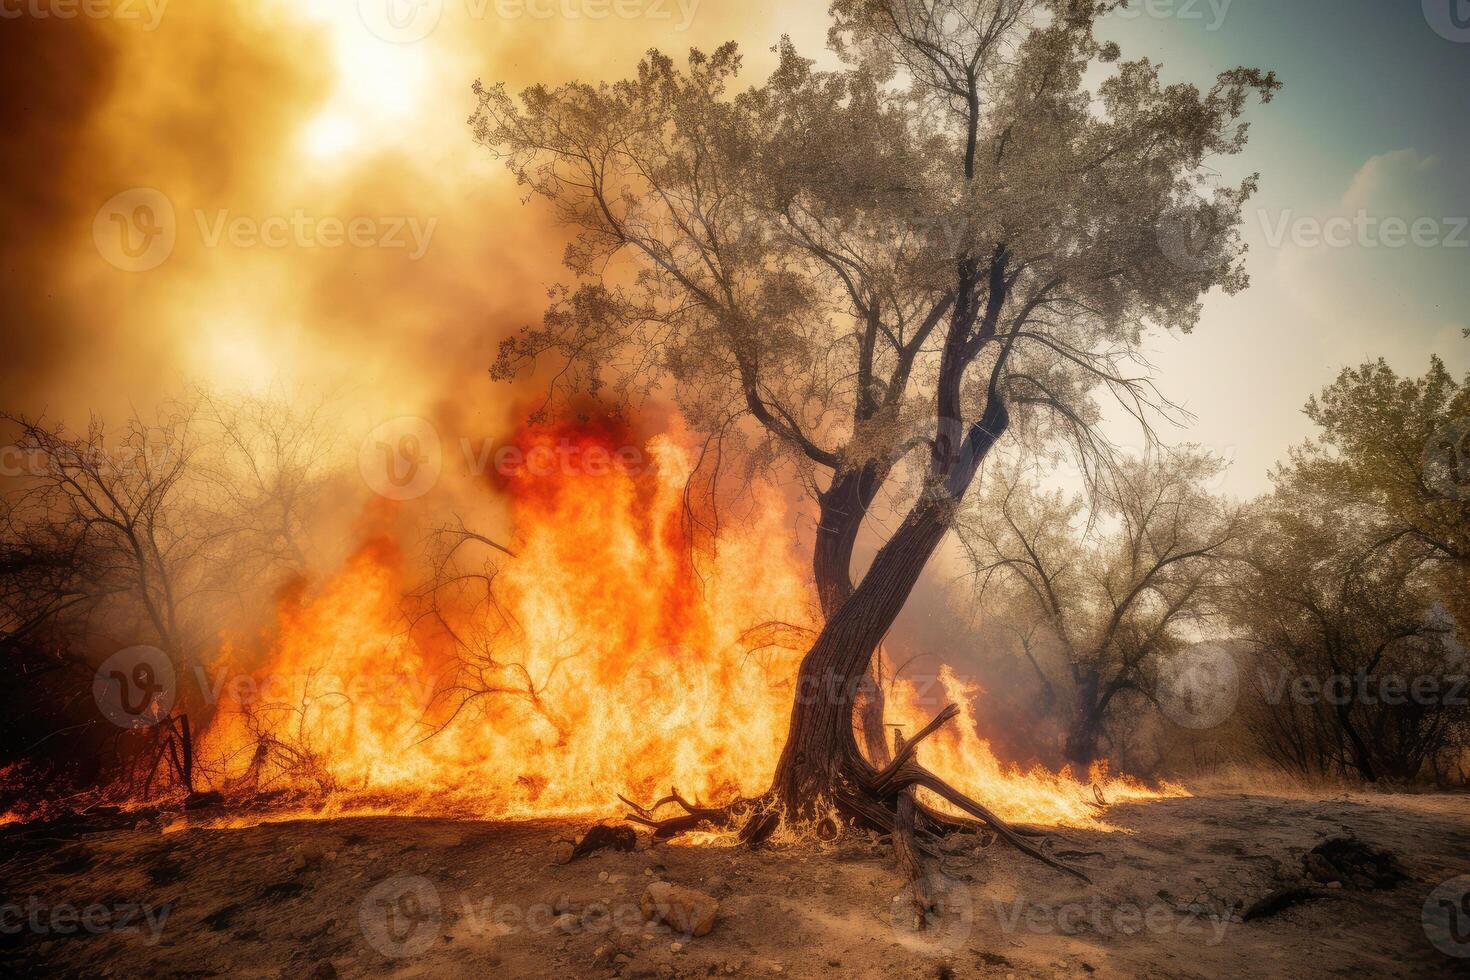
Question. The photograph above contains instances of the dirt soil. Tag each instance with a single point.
(421, 897)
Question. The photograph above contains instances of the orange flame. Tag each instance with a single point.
(617, 657)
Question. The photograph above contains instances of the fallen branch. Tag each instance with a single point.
(1281, 900)
(694, 817)
(906, 846)
(882, 801)
(601, 837)
(900, 758)
(953, 796)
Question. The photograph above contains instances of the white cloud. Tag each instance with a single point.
(1387, 176)
(1386, 271)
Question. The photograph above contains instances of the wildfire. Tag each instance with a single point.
(612, 654)
(1037, 795)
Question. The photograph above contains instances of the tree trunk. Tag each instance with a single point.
(1362, 756)
(822, 778)
(820, 764)
(821, 752)
(1082, 733)
(841, 516)
(842, 507)
(869, 707)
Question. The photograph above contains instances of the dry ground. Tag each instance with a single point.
(420, 897)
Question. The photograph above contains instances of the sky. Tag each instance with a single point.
(1370, 120)
(253, 122)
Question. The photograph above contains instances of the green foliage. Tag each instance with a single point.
(1357, 569)
(1392, 456)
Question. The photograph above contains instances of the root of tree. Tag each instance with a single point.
(879, 800)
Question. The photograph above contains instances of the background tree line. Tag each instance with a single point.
(1340, 597)
(164, 530)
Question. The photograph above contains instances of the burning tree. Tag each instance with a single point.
(882, 269)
